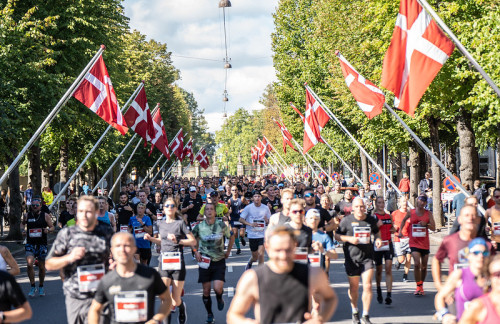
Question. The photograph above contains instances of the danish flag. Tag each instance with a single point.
(255, 154)
(321, 115)
(312, 129)
(417, 52)
(177, 145)
(160, 139)
(287, 136)
(202, 158)
(188, 150)
(97, 93)
(262, 151)
(138, 117)
(369, 98)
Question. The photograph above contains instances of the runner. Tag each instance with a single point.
(321, 242)
(493, 218)
(13, 304)
(402, 245)
(211, 257)
(103, 215)
(6, 259)
(280, 289)
(221, 209)
(125, 212)
(191, 206)
(355, 231)
(256, 217)
(304, 238)
(420, 222)
(235, 208)
(336, 193)
(150, 207)
(345, 205)
(139, 225)
(130, 289)
(67, 217)
(283, 216)
(384, 253)
(38, 224)
(172, 233)
(272, 201)
(83, 252)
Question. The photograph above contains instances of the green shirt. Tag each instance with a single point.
(211, 238)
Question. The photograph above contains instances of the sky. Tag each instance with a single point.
(194, 28)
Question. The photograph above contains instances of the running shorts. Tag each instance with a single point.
(216, 271)
(38, 251)
(255, 243)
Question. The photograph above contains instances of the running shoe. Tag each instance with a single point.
(238, 251)
(388, 300)
(405, 278)
(243, 242)
(182, 318)
(366, 319)
(41, 292)
(417, 292)
(422, 293)
(32, 292)
(355, 318)
(380, 299)
(210, 319)
(220, 304)
(397, 265)
(248, 266)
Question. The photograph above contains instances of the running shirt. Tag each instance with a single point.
(178, 228)
(495, 225)
(492, 316)
(282, 219)
(259, 215)
(236, 207)
(345, 207)
(35, 226)
(220, 210)
(385, 229)
(397, 218)
(138, 231)
(11, 294)
(304, 238)
(467, 291)
(275, 203)
(131, 299)
(211, 238)
(419, 236)
(96, 244)
(65, 217)
(105, 219)
(192, 213)
(124, 215)
(363, 229)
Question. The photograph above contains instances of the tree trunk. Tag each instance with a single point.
(398, 164)
(35, 175)
(437, 206)
(469, 159)
(413, 163)
(63, 161)
(364, 167)
(451, 158)
(423, 167)
(15, 202)
(45, 176)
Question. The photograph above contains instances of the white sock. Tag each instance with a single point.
(365, 313)
(354, 310)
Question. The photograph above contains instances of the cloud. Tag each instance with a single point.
(194, 28)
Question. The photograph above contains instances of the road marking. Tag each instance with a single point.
(230, 269)
(230, 291)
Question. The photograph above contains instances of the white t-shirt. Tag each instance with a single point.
(254, 214)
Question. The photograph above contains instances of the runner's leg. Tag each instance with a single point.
(366, 297)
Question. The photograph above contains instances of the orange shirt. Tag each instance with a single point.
(397, 218)
(417, 241)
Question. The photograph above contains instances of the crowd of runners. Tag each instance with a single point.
(103, 252)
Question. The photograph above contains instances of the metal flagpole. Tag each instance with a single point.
(433, 157)
(52, 114)
(341, 160)
(113, 164)
(356, 142)
(309, 156)
(150, 171)
(307, 161)
(125, 167)
(169, 171)
(278, 166)
(157, 173)
(460, 47)
(275, 150)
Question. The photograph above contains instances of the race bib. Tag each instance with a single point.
(460, 265)
(139, 232)
(35, 232)
(496, 228)
(159, 215)
(193, 225)
(171, 261)
(123, 228)
(236, 223)
(418, 231)
(383, 247)
(205, 262)
(301, 255)
(314, 259)
(261, 225)
(363, 234)
(131, 306)
(89, 276)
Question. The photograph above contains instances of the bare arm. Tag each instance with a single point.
(19, 314)
(447, 289)
(166, 306)
(94, 312)
(403, 223)
(247, 295)
(322, 292)
(189, 241)
(432, 224)
(436, 273)
(48, 220)
(476, 312)
(7, 256)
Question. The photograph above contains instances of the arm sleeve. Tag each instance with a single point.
(59, 247)
(442, 251)
(147, 221)
(342, 228)
(185, 203)
(100, 296)
(244, 213)
(202, 210)
(329, 243)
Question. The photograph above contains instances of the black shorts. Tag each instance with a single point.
(39, 251)
(421, 251)
(378, 256)
(255, 243)
(179, 275)
(356, 268)
(216, 271)
(145, 253)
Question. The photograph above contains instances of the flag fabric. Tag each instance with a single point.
(262, 151)
(202, 158)
(177, 145)
(138, 117)
(267, 144)
(160, 139)
(312, 131)
(417, 52)
(298, 111)
(188, 150)
(255, 154)
(97, 93)
(369, 98)
(287, 137)
(321, 115)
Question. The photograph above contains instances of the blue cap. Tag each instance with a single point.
(477, 241)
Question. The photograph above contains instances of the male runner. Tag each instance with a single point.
(402, 245)
(82, 251)
(304, 238)
(103, 215)
(38, 224)
(256, 217)
(125, 212)
(345, 205)
(130, 289)
(235, 208)
(150, 207)
(321, 242)
(283, 216)
(139, 225)
(272, 201)
(191, 206)
(211, 257)
(336, 194)
(355, 231)
(280, 289)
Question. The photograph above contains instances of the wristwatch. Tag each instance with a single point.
(441, 313)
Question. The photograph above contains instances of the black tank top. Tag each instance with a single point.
(283, 298)
(35, 225)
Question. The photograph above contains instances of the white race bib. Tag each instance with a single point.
(418, 231)
(301, 255)
(314, 259)
(139, 232)
(261, 225)
(171, 261)
(462, 265)
(235, 223)
(205, 262)
(89, 276)
(363, 234)
(496, 228)
(131, 306)
(124, 228)
(35, 232)
(383, 247)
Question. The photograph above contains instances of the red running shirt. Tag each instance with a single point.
(397, 218)
(385, 229)
(415, 241)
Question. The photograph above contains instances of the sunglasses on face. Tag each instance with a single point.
(301, 211)
(169, 205)
(35, 205)
(309, 195)
(484, 253)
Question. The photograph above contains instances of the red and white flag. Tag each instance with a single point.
(138, 117)
(287, 137)
(255, 153)
(160, 139)
(202, 158)
(177, 145)
(369, 98)
(312, 130)
(262, 151)
(267, 144)
(188, 150)
(321, 115)
(97, 93)
(417, 52)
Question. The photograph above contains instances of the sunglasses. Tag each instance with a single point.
(309, 195)
(300, 211)
(169, 205)
(35, 205)
(484, 253)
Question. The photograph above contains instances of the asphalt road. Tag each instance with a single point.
(406, 308)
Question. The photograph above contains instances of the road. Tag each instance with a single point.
(406, 308)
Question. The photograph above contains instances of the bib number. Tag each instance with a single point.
(418, 231)
(139, 232)
(383, 247)
(496, 228)
(457, 266)
(89, 277)
(131, 306)
(171, 261)
(261, 225)
(363, 234)
(301, 255)
(236, 223)
(314, 259)
(205, 262)
(124, 228)
(35, 232)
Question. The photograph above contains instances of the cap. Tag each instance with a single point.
(182, 189)
(313, 213)
(280, 185)
(422, 197)
(256, 192)
(221, 188)
(248, 194)
(477, 242)
(192, 188)
(214, 193)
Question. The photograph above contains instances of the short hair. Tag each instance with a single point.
(141, 205)
(123, 193)
(141, 191)
(211, 204)
(102, 198)
(470, 197)
(327, 196)
(298, 201)
(309, 189)
(286, 191)
(495, 190)
(281, 230)
(125, 234)
(90, 199)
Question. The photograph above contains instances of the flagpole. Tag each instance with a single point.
(307, 161)
(125, 167)
(460, 47)
(432, 155)
(343, 162)
(275, 150)
(150, 171)
(161, 168)
(356, 142)
(309, 156)
(52, 114)
(169, 170)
